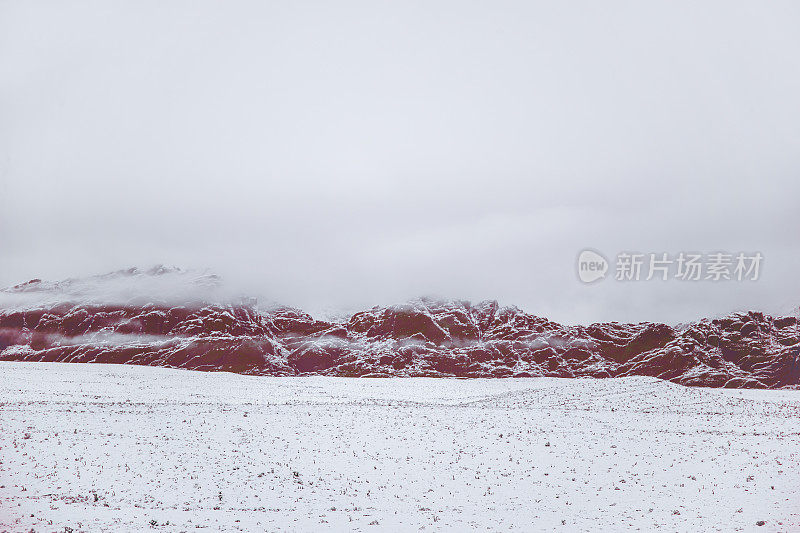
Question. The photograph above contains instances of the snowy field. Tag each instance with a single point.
(122, 448)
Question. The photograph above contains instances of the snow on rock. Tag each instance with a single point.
(80, 321)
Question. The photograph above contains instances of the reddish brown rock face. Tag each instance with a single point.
(424, 338)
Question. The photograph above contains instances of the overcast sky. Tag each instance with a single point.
(346, 154)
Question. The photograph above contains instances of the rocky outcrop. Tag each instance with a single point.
(421, 338)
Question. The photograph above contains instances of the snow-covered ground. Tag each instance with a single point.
(122, 448)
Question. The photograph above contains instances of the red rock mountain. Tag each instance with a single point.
(68, 322)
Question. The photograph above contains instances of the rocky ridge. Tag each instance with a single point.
(420, 338)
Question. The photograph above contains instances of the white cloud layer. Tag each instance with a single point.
(353, 153)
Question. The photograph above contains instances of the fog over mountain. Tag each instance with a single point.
(339, 156)
(181, 319)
